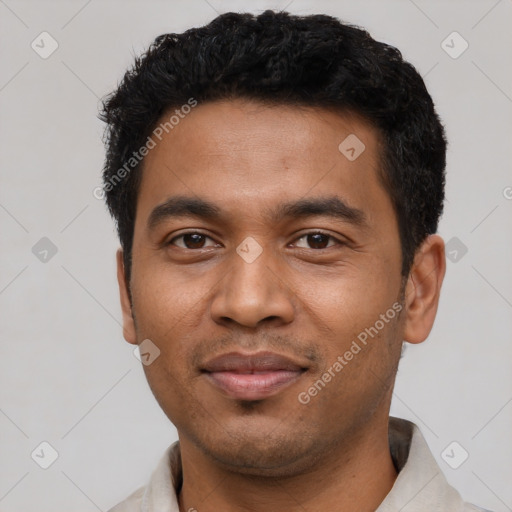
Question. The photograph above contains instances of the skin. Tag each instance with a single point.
(304, 298)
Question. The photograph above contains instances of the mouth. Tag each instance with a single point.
(252, 376)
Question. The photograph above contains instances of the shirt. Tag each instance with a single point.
(419, 487)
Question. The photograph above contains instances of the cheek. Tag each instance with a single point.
(166, 313)
(346, 302)
(168, 299)
(161, 316)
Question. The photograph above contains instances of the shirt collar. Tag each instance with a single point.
(420, 484)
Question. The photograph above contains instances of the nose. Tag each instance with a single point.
(253, 293)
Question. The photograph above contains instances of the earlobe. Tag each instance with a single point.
(128, 322)
(423, 289)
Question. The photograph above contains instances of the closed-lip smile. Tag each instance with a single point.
(252, 376)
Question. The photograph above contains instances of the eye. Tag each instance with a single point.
(318, 240)
(191, 240)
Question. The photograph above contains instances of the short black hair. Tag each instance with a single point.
(283, 59)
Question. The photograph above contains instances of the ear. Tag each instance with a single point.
(423, 289)
(128, 323)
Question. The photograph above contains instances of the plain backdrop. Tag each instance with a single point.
(67, 376)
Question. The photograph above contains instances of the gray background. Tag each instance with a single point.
(67, 375)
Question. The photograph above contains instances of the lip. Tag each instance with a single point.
(252, 376)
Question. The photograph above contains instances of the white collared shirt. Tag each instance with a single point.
(419, 487)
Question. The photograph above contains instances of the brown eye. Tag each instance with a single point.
(193, 240)
(317, 240)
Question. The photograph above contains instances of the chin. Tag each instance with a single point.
(259, 452)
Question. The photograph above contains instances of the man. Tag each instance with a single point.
(277, 183)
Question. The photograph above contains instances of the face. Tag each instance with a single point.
(266, 259)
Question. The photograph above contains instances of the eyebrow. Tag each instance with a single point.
(333, 206)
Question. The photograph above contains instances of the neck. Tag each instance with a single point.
(357, 475)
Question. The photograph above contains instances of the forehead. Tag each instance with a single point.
(246, 157)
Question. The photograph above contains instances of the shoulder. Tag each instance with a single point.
(160, 488)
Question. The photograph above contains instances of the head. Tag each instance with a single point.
(277, 183)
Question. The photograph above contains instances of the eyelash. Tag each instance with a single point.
(338, 241)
